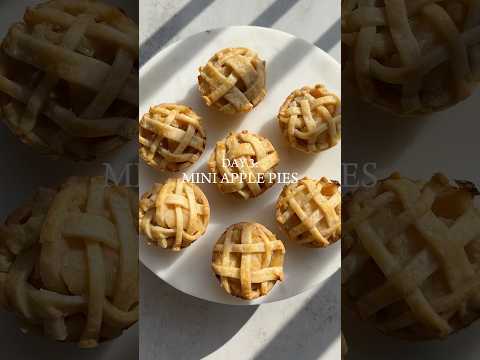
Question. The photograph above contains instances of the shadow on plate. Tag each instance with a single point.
(20, 346)
(371, 134)
(360, 336)
(178, 326)
(312, 330)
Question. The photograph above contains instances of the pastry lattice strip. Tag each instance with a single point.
(224, 75)
(320, 222)
(242, 158)
(171, 133)
(175, 214)
(460, 47)
(444, 252)
(67, 57)
(40, 256)
(238, 243)
(310, 118)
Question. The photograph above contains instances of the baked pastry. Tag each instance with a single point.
(309, 212)
(310, 119)
(171, 137)
(69, 262)
(411, 262)
(411, 57)
(69, 78)
(233, 80)
(173, 215)
(248, 260)
(244, 164)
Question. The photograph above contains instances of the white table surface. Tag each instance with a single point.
(177, 326)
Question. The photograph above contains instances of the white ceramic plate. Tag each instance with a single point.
(170, 76)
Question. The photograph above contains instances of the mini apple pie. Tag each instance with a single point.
(171, 137)
(412, 260)
(233, 80)
(248, 260)
(411, 57)
(309, 212)
(173, 215)
(244, 164)
(69, 78)
(310, 119)
(69, 262)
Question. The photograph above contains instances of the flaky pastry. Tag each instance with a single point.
(69, 78)
(174, 215)
(410, 256)
(248, 260)
(171, 137)
(69, 262)
(309, 212)
(233, 80)
(411, 57)
(310, 119)
(244, 164)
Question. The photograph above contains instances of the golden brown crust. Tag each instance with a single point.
(309, 212)
(248, 260)
(79, 99)
(174, 215)
(69, 262)
(310, 119)
(233, 80)
(410, 59)
(410, 256)
(244, 164)
(171, 137)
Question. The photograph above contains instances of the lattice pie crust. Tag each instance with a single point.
(411, 259)
(69, 262)
(233, 80)
(411, 57)
(248, 260)
(69, 78)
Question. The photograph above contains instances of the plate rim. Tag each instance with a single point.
(144, 69)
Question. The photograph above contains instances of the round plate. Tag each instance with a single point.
(171, 76)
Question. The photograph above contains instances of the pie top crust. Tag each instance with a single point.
(69, 262)
(244, 164)
(173, 215)
(310, 119)
(411, 57)
(411, 257)
(248, 260)
(69, 78)
(233, 80)
(309, 212)
(171, 137)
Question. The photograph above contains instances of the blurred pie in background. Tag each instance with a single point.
(69, 78)
(410, 256)
(69, 262)
(411, 57)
